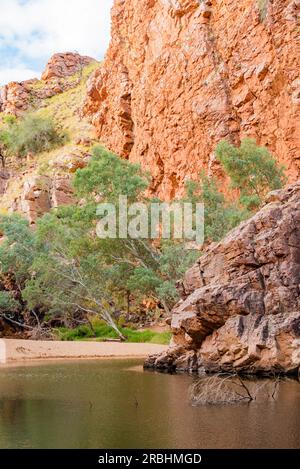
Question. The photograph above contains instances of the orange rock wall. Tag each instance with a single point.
(180, 75)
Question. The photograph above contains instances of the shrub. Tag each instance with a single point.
(33, 134)
(109, 175)
(7, 123)
(7, 303)
(221, 215)
(252, 169)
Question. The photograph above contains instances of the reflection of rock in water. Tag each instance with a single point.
(227, 389)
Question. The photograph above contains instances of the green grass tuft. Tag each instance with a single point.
(103, 332)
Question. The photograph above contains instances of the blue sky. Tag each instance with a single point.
(32, 30)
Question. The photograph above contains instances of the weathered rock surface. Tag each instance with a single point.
(35, 198)
(14, 97)
(65, 65)
(17, 98)
(71, 160)
(32, 194)
(241, 302)
(254, 344)
(42, 193)
(181, 75)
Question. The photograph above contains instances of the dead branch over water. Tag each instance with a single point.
(231, 389)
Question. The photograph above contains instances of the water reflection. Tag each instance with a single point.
(94, 405)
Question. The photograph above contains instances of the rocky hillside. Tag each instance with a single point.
(16, 98)
(34, 185)
(240, 307)
(181, 75)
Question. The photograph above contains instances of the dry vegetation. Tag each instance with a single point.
(231, 389)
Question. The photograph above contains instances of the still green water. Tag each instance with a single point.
(93, 404)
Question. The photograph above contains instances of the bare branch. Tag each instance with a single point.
(16, 323)
(243, 385)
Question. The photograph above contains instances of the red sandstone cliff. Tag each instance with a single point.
(180, 75)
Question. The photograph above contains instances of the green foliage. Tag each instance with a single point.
(136, 266)
(79, 333)
(18, 250)
(110, 176)
(9, 120)
(143, 280)
(5, 138)
(221, 215)
(252, 170)
(8, 304)
(68, 272)
(31, 134)
(104, 332)
(63, 268)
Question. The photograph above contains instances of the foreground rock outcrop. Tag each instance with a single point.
(240, 307)
(181, 75)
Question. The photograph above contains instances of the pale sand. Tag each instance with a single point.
(26, 350)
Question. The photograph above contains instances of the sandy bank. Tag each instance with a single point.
(26, 350)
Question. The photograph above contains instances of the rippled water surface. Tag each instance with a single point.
(114, 404)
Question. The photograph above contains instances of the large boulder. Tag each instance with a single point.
(240, 306)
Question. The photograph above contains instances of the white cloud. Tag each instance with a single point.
(17, 74)
(36, 29)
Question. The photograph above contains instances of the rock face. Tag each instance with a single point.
(65, 65)
(17, 98)
(37, 194)
(255, 343)
(240, 309)
(14, 98)
(42, 193)
(180, 75)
